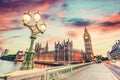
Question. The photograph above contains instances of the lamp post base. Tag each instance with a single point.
(28, 62)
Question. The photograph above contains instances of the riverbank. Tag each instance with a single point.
(10, 57)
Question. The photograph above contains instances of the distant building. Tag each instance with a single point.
(39, 49)
(5, 52)
(63, 53)
(115, 51)
(83, 55)
(88, 46)
(19, 55)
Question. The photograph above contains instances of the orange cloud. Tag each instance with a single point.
(108, 23)
(7, 22)
(113, 18)
(43, 7)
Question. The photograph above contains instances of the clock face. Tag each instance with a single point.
(86, 37)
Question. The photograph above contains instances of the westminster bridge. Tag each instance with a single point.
(83, 71)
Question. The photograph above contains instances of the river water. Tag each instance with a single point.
(8, 66)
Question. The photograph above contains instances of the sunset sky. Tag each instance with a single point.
(65, 19)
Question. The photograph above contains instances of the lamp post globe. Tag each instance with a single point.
(37, 17)
(42, 27)
(26, 18)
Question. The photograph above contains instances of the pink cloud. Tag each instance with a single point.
(9, 14)
(43, 7)
(108, 17)
(108, 23)
(114, 18)
(45, 4)
(9, 21)
(103, 29)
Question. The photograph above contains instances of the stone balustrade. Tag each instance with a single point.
(55, 73)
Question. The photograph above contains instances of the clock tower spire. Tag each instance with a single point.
(85, 31)
(88, 46)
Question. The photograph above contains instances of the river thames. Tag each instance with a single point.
(8, 66)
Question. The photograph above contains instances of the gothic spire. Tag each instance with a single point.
(64, 41)
(85, 31)
(47, 44)
(68, 39)
(55, 43)
(40, 45)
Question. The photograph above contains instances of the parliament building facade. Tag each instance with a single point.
(63, 53)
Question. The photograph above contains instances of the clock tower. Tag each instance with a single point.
(88, 56)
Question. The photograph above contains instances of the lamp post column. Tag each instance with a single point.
(32, 43)
(28, 62)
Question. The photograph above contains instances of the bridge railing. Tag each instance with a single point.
(56, 73)
(63, 72)
(35, 74)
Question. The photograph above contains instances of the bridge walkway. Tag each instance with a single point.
(92, 72)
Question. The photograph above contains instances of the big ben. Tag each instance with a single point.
(88, 46)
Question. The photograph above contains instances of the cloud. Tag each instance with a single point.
(10, 9)
(64, 6)
(49, 17)
(46, 4)
(110, 24)
(9, 21)
(107, 23)
(78, 22)
(46, 16)
(11, 5)
(10, 29)
(28, 4)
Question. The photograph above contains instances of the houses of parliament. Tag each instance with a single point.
(64, 52)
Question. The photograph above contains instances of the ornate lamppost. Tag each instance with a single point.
(28, 62)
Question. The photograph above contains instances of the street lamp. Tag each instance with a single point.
(28, 62)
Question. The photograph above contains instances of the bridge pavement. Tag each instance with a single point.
(93, 72)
